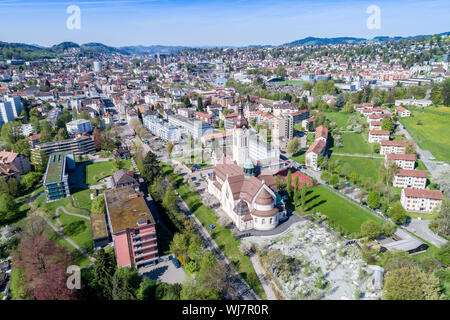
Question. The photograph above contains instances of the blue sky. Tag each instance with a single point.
(211, 22)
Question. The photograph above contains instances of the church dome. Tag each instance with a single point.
(264, 198)
(249, 164)
(241, 208)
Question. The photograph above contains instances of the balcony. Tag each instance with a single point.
(138, 248)
(145, 261)
(136, 236)
(135, 243)
(141, 255)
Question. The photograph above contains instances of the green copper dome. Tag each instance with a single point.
(249, 164)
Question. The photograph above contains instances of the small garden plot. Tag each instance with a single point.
(310, 262)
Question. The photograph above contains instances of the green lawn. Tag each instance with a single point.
(77, 229)
(99, 170)
(434, 131)
(299, 157)
(365, 167)
(343, 212)
(221, 235)
(353, 143)
(340, 118)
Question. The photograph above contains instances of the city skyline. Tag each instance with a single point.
(213, 23)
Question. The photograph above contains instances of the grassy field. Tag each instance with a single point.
(434, 131)
(365, 167)
(343, 212)
(99, 170)
(340, 118)
(299, 156)
(291, 82)
(221, 235)
(353, 143)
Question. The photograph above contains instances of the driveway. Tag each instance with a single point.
(164, 272)
(420, 228)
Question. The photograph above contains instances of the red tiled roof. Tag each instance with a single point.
(321, 132)
(423, 193)
(390, 143)
(317, 147)
(203, 115)
(301, 178)
(231, 115)
(412, 173)
(396, 156)
(379, 132)
(298, 112)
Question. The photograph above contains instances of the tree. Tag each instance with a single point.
(354, 177)
(125, 283)
(98, 139)
(445, 92)
(29, 180)
(8, 208)
(44, 264)
(296, 193)
(45, 136)
(370, 229)
(289, 184)
(348, 107)
(293, 146)
(104, 269)
(410, 284)
(442, 220)
(62, 134)
(386, 124)
(397, 213)
(169, 147)
(118, 163)
(325, 176)
(334, 180)
(98, 204)
(373, 199)
(410, 147)
(151, 169)
(179, 244)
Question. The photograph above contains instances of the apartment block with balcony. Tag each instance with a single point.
(416, 179)
(132, 227)
(56, 179)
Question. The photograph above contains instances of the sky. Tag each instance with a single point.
(214, 23)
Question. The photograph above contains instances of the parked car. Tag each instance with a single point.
(176, 263)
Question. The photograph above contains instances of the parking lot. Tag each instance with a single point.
(165, 272)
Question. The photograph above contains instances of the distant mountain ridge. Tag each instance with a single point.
(34, 51)
(349, 40)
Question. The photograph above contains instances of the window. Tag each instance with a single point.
(271, 219)
(262, 221)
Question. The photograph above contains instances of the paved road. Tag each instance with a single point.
(262, 278)
(421, 228)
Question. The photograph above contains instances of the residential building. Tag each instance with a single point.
(318, 147)
(403, 161)
(375, 125)
(229, 120)
(132, 228)
(378, 135)
(10, 108)
(402, 112)
(416, 179)
(421, 200)
(299, 116)
(388, 146)
(19, 161)
(160, 128)
(124, 178)
(56, 179)
(196, 128)
(79, 126)
(79, 146)
(321, 133)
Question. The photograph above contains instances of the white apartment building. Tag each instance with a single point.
(421, 200)
(403, 161)
(10, 108)
(79, 126)
(416, 179)
(403, 112)
(378, 135)
(388, 146)
(160, 128)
